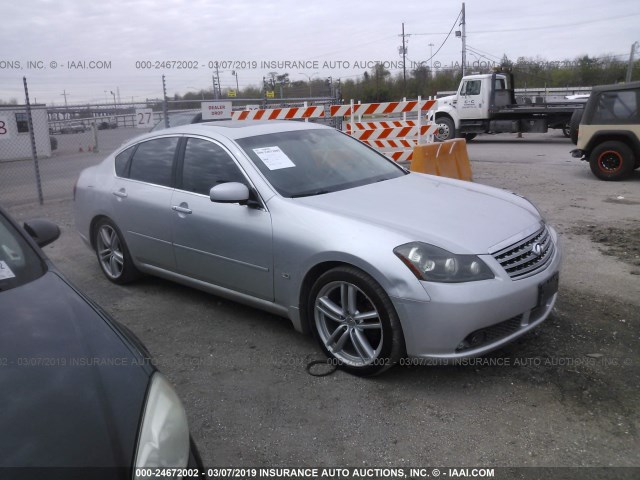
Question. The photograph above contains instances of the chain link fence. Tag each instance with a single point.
(44, 148)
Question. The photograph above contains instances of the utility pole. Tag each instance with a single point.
(431, 59)
(219, 94)
(64, 92)
(165, 104)
(629, 67)
(464, 42)
(404, 64)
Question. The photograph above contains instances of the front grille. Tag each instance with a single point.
(528, 256)
(489, 335)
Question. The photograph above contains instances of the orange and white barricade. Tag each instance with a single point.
(394, 138)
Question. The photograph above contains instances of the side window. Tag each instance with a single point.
(473, 87)
(153, 161)
(617, 107)
(206, 165)
(122, 160)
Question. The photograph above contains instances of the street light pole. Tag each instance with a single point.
(235, 74)
(309, 78)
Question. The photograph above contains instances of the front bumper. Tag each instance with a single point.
(577, 153)
(471, 319)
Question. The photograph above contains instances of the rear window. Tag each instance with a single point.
(122, 162)
(19, 263)
(153, 161)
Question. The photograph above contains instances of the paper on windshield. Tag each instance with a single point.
(5, 271)
(274, 158)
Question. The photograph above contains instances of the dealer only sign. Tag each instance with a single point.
(216, 110)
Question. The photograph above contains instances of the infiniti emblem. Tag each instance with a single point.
(537, 249)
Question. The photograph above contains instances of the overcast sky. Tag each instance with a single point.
(52, 33)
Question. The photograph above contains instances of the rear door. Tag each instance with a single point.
(142, 200)
(225, 244)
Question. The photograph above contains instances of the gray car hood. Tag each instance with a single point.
(462, 217)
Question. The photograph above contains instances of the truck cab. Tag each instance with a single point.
(486, 103)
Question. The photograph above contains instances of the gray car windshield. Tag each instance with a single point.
(313, 162)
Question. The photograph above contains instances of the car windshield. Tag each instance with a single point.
(314, 162)
(19, 263)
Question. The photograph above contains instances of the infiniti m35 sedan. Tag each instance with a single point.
(303, 221)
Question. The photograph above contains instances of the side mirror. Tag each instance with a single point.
(42, 231)
(230, 192)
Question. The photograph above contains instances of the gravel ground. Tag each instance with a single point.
(565, 395)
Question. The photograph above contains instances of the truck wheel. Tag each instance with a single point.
(612, 160)
(446, 129)
(574, 123)
(566, 130)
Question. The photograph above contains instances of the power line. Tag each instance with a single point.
(447, 37)
(574, 24)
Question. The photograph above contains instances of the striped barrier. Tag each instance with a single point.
(394, 138)
(390, 133)
(292, 113)
(386, 108)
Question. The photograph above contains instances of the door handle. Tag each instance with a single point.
(120, 193)
(179, 209)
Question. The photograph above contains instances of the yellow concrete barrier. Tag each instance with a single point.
(445, 159)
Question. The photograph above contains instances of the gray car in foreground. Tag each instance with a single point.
(305, 222)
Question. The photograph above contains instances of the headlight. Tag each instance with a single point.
(434, 264)
(164, 436)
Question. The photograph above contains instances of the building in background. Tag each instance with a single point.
(15, 141)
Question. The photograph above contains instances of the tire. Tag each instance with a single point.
(574, 124)
(363, 337)
(566, 130)
(470, 136)
(446, 129)
(612, 160)
(113, 255)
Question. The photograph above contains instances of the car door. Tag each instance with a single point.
(470, 99)
(142, 200)
(225, 244)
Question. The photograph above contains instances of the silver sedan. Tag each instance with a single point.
(305, 222)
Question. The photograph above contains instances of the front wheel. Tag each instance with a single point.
(612, 160)
(446, 129)
(355, 322)
(113, 255)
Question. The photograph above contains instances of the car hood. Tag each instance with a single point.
(462, 217)
(72, 389)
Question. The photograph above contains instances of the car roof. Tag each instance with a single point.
(233, 129)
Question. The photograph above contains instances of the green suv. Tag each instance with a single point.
(609, 132)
